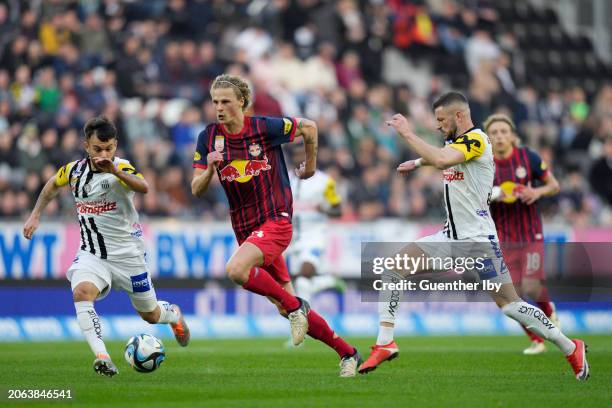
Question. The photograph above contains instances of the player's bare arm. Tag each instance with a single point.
(550, 187)
(48, 193)
(202, 177)
(133, 182)
(440, 158)
(308, 130)
(409, 166)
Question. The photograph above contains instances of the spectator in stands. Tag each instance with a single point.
(148, 66)
(601, 173)
(480, 48)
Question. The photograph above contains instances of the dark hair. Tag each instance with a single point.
(102, 127)
(450, 98)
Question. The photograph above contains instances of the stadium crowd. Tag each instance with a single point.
(147, 65)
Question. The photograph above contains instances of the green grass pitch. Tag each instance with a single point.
(431, 371)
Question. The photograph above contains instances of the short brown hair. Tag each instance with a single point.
(450, 98)
(102, 127)
(239, 85)
(499, 117)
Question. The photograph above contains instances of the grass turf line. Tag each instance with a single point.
(431, 371)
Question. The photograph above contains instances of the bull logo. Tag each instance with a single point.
(243, 170)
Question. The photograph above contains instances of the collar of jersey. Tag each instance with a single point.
(507, 159)
(452, 139)
(91, 168)
(245, 123)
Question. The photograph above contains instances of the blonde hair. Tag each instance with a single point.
(239, 85)
(502, 117)
(499, 117)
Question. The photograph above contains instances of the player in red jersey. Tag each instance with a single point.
(521, 178)
(245, 152)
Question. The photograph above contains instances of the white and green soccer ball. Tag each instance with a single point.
(145, 353)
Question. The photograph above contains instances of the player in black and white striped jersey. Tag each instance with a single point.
(112, 250)
(468, 172)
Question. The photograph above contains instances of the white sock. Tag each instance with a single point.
(322, 282)
(385, 335)
(388, 305)
(535, 320)
(90, 325)
(303, 288)
(166, 314)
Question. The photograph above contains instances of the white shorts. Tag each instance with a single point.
(304, 251)
(486, 247)
(129, 274)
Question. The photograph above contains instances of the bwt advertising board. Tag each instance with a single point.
(178, 249)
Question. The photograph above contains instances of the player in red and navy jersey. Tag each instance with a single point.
(245, 152)
(521, 178)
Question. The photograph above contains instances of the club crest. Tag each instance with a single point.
(254, 149)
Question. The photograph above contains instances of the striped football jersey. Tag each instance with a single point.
(108, 220)
(515, 220)
(467, 187)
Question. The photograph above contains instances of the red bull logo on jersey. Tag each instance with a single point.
(243, 170)
(510, 191)
(453, 175)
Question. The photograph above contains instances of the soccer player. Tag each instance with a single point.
(521, 178)
(468, 173)
(245, 153)
(112, 251)
(314, 201)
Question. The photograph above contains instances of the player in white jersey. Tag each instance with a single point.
(314, 201)
(469, 231)
(111, 249)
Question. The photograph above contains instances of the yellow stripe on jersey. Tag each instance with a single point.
(128, 168)
(330, 193)
(472, 145)
(61, 177)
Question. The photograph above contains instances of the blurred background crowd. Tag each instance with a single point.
(347, 64)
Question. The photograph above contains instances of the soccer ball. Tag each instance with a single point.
(145, 353)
